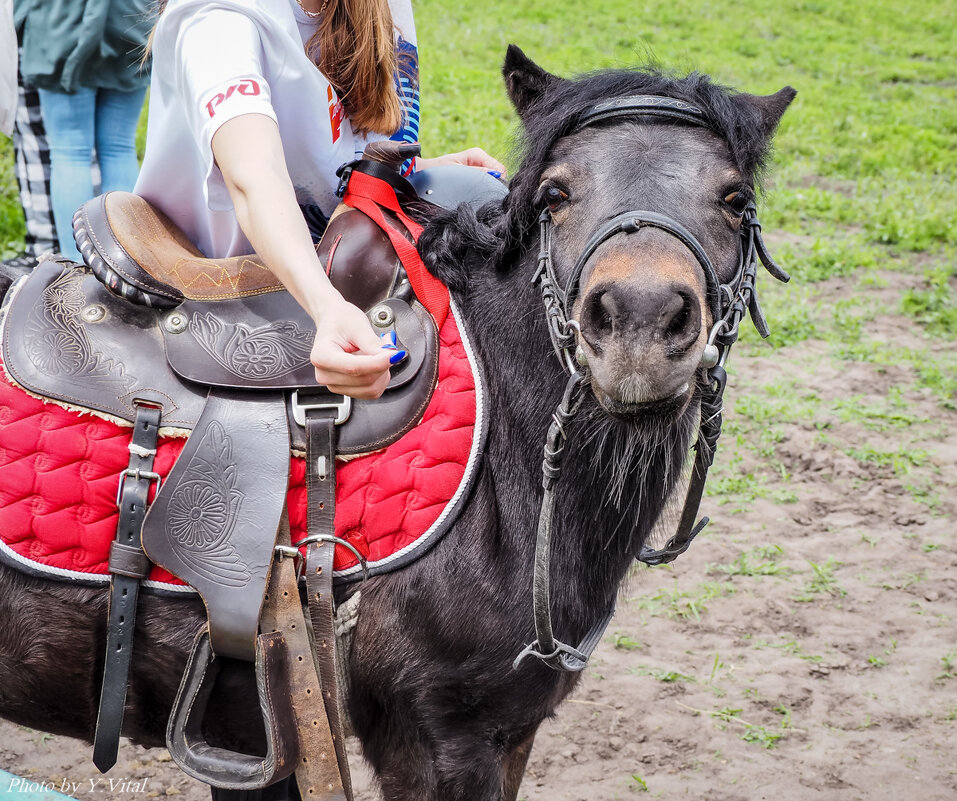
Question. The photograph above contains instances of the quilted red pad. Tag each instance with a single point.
(59, 471)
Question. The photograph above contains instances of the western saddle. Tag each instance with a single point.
(154, 334)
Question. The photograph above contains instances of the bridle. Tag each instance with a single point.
(728, 304)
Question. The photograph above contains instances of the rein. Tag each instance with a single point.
(728, 304)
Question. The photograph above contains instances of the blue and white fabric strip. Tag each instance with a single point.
(407, 82)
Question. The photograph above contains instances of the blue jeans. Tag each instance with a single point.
(75, 124)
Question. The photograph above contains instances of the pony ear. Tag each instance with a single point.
(524, 79)
(770, 107)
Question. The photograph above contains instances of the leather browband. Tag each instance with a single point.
(632, 105)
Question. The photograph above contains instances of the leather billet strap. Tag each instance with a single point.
(128, 564)
(317, 771)
(320, 552)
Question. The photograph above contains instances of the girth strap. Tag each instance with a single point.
(317, 772)
(128, 564)
(320, 550)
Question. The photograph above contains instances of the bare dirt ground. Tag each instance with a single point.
(804, 648)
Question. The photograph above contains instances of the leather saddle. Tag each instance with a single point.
(153, 333)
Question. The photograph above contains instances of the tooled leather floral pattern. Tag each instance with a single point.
(204, 509)
(57, 343)
(257, 354)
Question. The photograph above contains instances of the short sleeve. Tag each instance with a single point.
(219, 75)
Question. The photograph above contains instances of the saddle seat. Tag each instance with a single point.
(140, 254)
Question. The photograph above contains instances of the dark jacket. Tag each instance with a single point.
(98, 44)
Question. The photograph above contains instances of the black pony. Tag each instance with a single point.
(440, 712)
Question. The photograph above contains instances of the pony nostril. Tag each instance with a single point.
(680, 321)
(600, 312)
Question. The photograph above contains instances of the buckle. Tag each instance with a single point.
(343, 174)
(341, 403)
(135, 472)
(292, 552)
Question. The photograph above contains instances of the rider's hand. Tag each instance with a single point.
(473, 157)
(347, 354)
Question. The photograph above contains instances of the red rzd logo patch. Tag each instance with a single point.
(247, 87)
(336, 114)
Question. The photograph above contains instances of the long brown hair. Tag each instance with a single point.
(354, 47)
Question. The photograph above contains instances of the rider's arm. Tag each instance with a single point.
(347, 352)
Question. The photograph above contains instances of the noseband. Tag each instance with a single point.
(727, 302)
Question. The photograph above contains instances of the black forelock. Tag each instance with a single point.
(554, 115)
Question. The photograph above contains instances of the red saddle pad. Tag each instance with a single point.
(59, 471)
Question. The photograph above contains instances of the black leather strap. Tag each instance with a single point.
(376, 169)
(554, 653)
(128, 564)
(669, 108)
(320, 550)
(629, 223)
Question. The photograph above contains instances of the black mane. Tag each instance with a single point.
(500, 232)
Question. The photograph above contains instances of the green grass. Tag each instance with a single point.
(625, 643)
(757, 562)
(935, 307)
(753, 733)
(792, 647)
(870, 143)
(665, 676)
(682, 604)
(899, 458)
(12, 229)
(638, 784)
(822, 583)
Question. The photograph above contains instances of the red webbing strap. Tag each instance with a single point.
(370, 195)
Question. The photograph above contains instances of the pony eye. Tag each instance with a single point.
(737, 201)
(553, 197)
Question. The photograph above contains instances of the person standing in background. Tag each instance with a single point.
(20, 118)
(8, 68)
(85, 59)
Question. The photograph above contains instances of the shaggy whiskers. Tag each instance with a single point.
(634, 462)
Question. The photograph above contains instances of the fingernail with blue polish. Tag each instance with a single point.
(495, 173)
(388, 339)
(398, 356)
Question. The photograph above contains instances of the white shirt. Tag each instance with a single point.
(214, 60)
